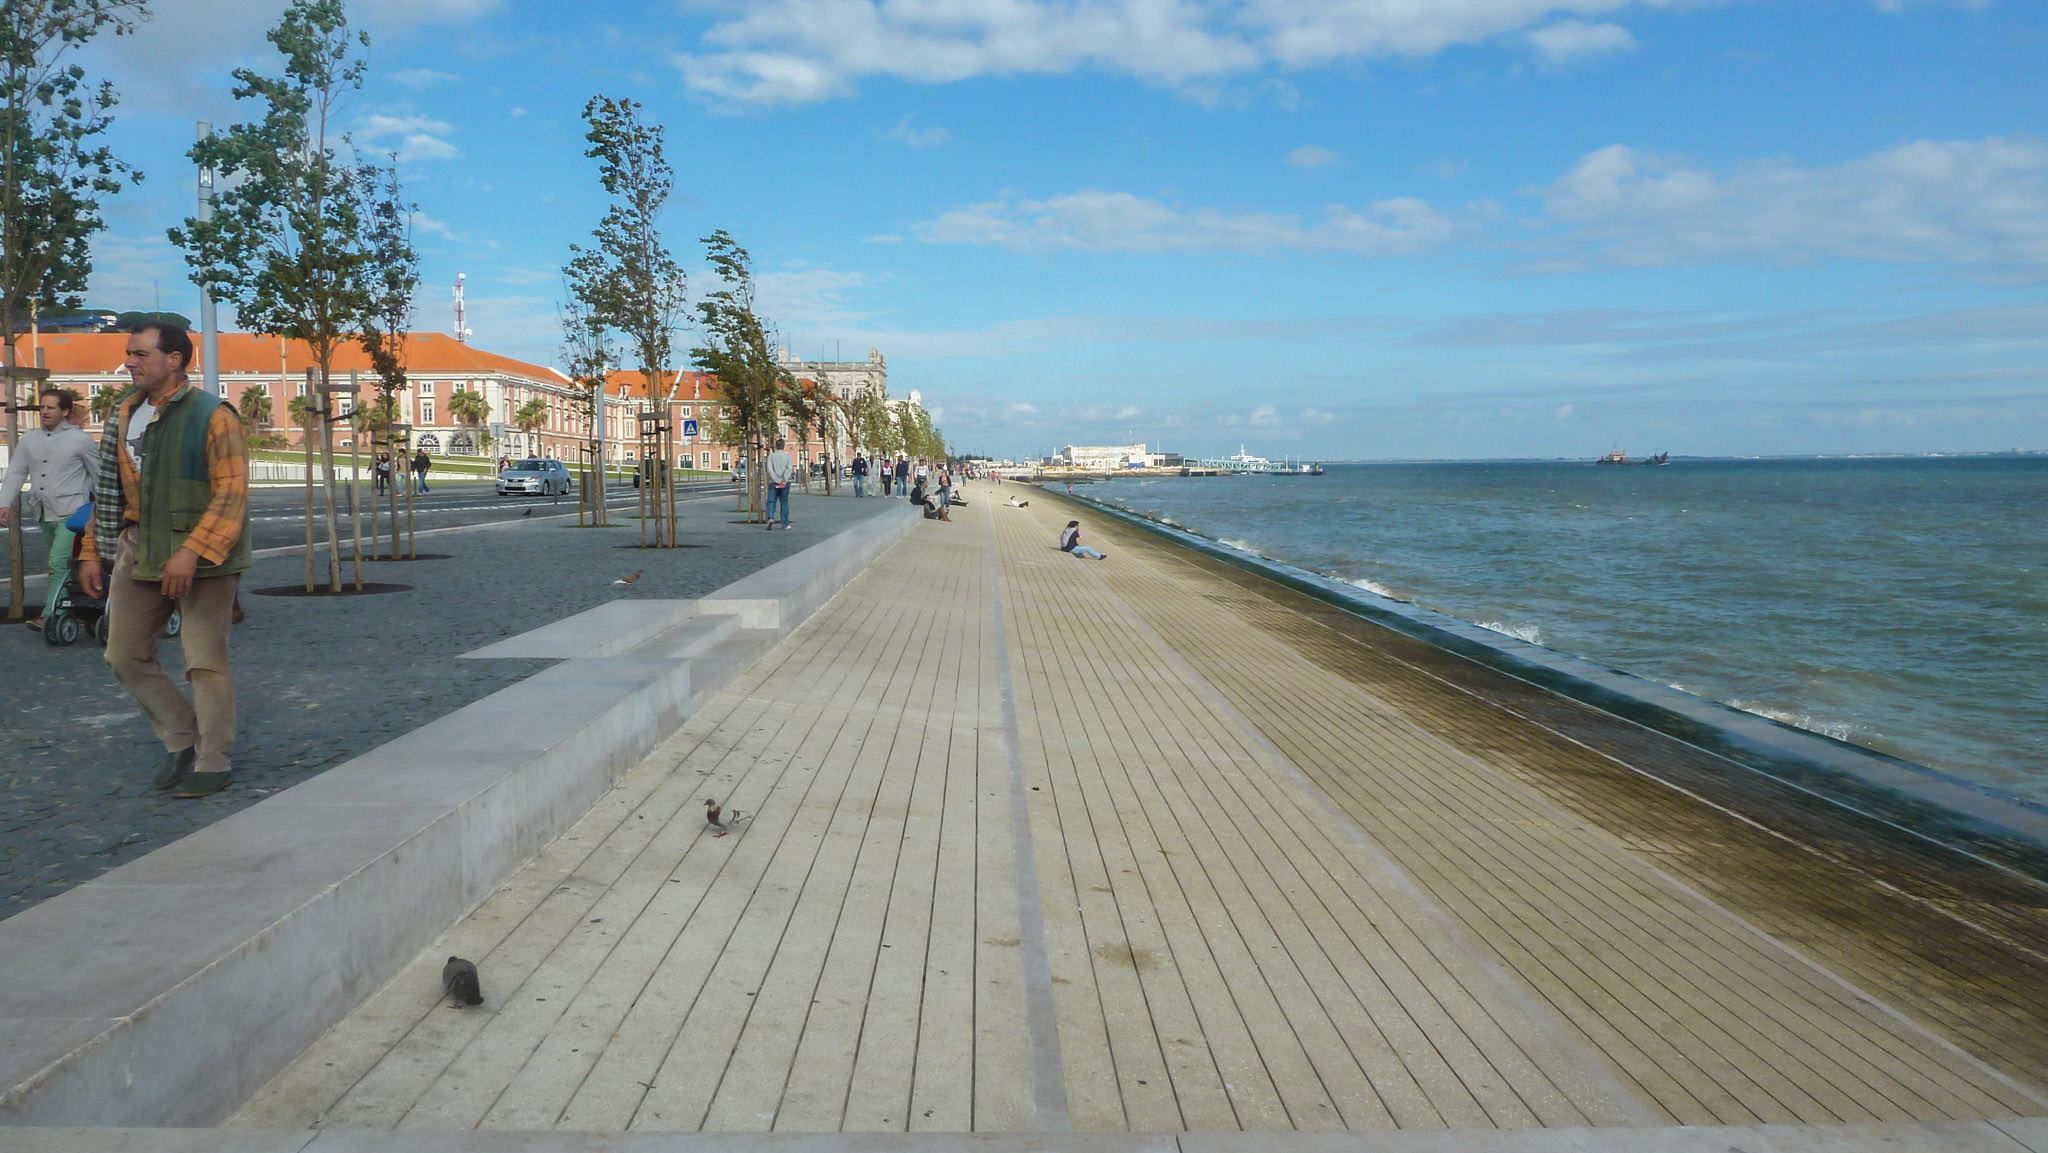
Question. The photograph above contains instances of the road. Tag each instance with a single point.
(277, 515)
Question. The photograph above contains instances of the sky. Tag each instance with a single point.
(1378, 229)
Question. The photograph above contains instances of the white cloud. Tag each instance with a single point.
(1316, 416)
(1265, 416)
(131, 271)
(1311, 156)
(422, 77)
(798, 51)
(1023, 409)
(1128, 411)
(806, 300)
(918, 138)
(884, 238)
(1978, 203)
(413, 137)
(1095, 220)
(1569, 41)
(1563, 412)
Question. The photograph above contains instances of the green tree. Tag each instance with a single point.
(629, 281)
(286, 244)
(103, 402)
(255, 405)
(736, 351)
(530, 417)
(469, 408)
(384, 326)
(587, 353)
(53, 169)
(127, 321)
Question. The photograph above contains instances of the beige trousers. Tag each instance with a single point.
(136, 614)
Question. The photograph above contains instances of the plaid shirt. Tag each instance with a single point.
(116, 505)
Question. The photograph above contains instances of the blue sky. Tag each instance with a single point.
(1348, 228)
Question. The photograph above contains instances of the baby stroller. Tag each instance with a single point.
(77, 611)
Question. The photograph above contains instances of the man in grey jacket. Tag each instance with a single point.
(57, 461)
(781, 471)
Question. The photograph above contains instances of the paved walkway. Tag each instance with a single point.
(319, 681)
(1045, 844)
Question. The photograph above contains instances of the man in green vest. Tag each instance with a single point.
(171, 506)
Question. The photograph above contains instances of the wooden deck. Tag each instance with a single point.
(1144, 845)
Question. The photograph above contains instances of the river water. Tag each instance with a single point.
(1899, 604)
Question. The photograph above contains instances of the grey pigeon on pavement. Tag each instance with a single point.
(721, 819)
(459, 980)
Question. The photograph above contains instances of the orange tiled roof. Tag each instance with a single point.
(631, 383)
(427, 354)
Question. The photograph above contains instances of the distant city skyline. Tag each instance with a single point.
(1351, 229)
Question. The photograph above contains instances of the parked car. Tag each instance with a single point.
(533, 475)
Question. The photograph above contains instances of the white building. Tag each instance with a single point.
(1104, 456)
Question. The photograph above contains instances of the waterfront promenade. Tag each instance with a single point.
(1154, 846)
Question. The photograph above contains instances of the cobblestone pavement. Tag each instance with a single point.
(319, 681)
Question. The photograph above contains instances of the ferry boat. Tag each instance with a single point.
(1243, 463)
(1612, 456)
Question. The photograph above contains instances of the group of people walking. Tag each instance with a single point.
(419, 466)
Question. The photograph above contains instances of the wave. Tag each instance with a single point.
(1839, 730)
(1371, 587)
(1529, 633)
(1243, 546)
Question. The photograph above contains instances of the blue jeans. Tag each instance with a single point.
(860, 485)
(778, 494)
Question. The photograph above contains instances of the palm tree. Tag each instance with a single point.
(531, 416)
(255, 405)
(469, 408)
(103, 403)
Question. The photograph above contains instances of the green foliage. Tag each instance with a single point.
(304, 410)
(735, 348)
(628, 281)
(127, 321)
(103, 403)
(587, 350)
(469, 408)
(871, 417)
(531, 415)
(386, 320)
(255, 405)
(287, 243)
(53, 171)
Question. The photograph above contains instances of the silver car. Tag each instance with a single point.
(534, 476)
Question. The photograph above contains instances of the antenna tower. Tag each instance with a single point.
(461, 329)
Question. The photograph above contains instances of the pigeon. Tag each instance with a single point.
(459, 980)
(629, 578)
(528, 512)
(721, 819)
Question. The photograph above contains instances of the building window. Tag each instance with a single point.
(706, 455)
(426, 410)
(426, 388)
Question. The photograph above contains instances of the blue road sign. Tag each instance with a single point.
(690, 428)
